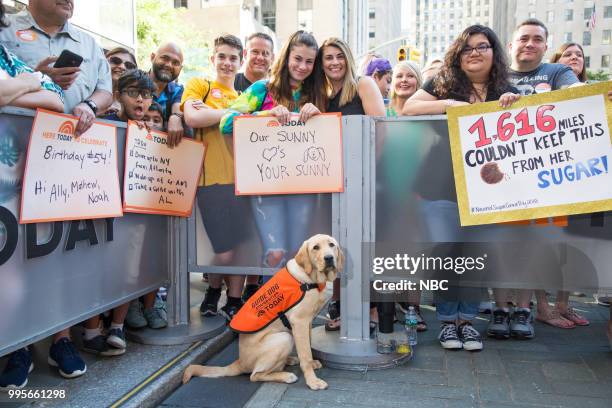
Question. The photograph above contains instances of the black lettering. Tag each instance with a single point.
(12, 234)
(36, 250)
(76, 234)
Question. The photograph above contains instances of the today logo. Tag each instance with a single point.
(66, 128)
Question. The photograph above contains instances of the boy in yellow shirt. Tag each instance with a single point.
(224, 214)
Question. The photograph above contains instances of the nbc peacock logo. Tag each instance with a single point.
(273, 123)
(66, 128)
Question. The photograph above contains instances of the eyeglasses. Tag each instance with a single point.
(480, 49)
(133, 93)
(118, 61)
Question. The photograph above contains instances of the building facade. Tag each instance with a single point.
(571, 21)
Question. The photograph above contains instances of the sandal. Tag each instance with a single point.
(554, 318)
(421, 323)
(333, 312)
(571, 315)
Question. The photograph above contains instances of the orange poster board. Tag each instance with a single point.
(69, 178)
(295, 158)
(158, 179)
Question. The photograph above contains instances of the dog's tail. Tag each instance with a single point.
(211, 371)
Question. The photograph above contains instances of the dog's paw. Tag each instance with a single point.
(316, 364)
(316, 384)
(292, 360)
(291, 378)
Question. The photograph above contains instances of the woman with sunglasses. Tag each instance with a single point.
(475, 70)
(120, 60)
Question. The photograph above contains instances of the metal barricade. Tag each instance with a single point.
(53, 275)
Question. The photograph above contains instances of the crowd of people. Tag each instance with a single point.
(303, 79)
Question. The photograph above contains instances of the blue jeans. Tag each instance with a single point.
(282, 222)
(442, 225)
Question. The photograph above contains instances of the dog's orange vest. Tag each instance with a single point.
(271, 302)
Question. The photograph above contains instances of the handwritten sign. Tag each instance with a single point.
(296, 158)
(157, 179)
(69, 178)
(549, 155)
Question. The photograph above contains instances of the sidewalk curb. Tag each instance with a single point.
(155, 392)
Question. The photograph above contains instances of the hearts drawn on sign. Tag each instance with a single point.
(269, 153)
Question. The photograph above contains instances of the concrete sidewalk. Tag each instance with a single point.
(559, 368)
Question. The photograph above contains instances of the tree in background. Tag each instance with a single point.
(598, 76)
(158, 22)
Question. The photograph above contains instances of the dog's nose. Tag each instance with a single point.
(329, 260)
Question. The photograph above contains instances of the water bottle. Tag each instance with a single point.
(411, 326)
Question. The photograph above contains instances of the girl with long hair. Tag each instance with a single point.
(349, 94)
(572, 55)
(282, 220)
(475, 70)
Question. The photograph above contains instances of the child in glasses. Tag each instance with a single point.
(135, 94)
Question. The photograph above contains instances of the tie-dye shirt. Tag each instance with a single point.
(255, 100)
(13, 66)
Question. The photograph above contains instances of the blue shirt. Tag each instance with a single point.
(171, 94)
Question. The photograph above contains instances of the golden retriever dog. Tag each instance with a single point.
(264, 354)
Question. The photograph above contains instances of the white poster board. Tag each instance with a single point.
(158, 179)
(296, 158)
(69, 178)
(549, 155)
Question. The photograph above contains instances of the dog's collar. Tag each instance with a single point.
(308, 286)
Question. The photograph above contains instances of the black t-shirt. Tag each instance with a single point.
(435, 180)
(492, 93)
(354, 107)
(241, 83)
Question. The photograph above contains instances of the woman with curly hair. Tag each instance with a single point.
(475, 70)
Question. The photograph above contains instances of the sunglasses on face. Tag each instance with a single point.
(118, 61)
(133, 93)
(480, 49)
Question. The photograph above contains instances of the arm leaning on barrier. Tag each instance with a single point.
(250, 102)
(423, 103)
(371, 99)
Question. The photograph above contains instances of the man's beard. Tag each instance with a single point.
(164, 75)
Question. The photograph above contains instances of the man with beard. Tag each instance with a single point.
(42, 30)
(167, 63)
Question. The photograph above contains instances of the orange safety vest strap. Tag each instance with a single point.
(275, 298)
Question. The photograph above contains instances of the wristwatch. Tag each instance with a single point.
(92, 105)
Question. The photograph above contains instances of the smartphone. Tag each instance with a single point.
(68, 59)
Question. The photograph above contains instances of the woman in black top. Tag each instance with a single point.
(350, 95)
(475, 70)
(347, 93)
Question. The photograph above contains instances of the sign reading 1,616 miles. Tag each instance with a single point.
(549, 155)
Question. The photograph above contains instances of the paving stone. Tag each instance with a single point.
(460, 369)
(413, 376)
(563, 400)
(518, 355)
(586, 389)
(488, 362)
(494, 388)
(556, 370)
(527, 378)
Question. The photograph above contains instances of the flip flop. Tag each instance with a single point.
(554, 318)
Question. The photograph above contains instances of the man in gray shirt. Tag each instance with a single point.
(40, 34)
(527, 72)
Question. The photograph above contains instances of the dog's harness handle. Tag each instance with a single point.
(304, 287)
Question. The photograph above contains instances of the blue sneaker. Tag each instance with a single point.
(65, 357)
(15, 374)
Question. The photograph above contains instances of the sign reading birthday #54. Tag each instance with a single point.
(549, 155)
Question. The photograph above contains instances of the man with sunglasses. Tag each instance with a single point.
(42, 30)
(167, 63)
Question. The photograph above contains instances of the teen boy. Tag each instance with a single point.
(223, 213)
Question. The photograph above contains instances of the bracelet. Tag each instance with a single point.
(177, 114)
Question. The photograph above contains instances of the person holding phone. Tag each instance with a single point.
(44, 29)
